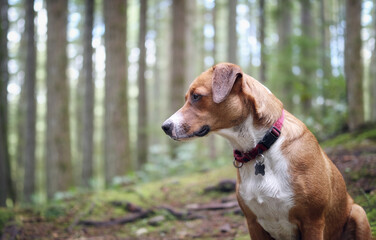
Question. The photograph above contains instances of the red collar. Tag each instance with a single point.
(267, 141)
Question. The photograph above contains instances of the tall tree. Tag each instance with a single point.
(88, 117)
(116, 143)
(307, 54)
(58, 154)
(284, 51)
(4, 77)
(373, 70)
(232, 39)
(178, 60)
(325, 50)
(262, 40)
(29, 126)
(142, 134)
(353, 64)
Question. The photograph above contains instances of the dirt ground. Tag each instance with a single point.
(358, 168)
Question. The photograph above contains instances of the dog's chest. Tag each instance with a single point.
(269, 197)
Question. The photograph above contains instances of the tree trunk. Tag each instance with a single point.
(353, 64)
(325, 52)
(191, 42)
(232, 38)
(373, 70)
(88, 118)
(262, 40)
(116, 142)
(307, 61)
(4, 77)
(58, 154)
(284, 54)
(29, 126)
(142, 134)
(178, 62)
(154, 100)
(212, 138)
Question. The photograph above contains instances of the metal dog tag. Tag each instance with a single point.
(259, 165)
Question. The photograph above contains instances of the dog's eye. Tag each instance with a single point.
(196, 97)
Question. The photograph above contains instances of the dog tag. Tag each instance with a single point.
(259, 165)
(260, 169)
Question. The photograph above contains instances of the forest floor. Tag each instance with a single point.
(187, 207)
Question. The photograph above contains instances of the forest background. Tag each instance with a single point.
(86, 85)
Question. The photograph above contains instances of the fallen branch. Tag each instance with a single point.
(180, 215)
(124, 220)
(130, 207)
(227, 185)
(213, 206)
(78, 217)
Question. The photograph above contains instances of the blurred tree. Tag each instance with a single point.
(88, 117)
(212, 137)
(116, 135)
(373, 69)
(232, 39)
(142, 134)
(178, 60)
(4, 78)
(191, 42)
(353, 64)
(325, 51)
(58, 154)
(284, 74)
(30, 123)
(155, 99)
(307, 60)
(262, 40)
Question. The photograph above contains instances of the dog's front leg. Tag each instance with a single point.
(257, 232)
(312, 230)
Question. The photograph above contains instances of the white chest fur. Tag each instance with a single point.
(270, 197)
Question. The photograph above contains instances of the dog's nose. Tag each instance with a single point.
(167, 127)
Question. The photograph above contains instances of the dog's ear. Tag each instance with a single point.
(224, 77)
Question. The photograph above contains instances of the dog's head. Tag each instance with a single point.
(219, 98)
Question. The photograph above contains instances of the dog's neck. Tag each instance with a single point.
(245, 136)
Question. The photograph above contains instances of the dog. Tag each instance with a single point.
(287, 187)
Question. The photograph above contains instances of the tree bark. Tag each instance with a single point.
(58, 154)
(232, 39)
(262, 40)
(373, 70)
(307, 55)
(178, 61)
(116, 143)
(353, 64)
(29, 126)
(284, 54)
(88, 118)
(142, 134)
(325, 52)
(4, 77)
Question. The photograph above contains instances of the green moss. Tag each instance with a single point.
(5, 216)
(351, 140)
(368, 202)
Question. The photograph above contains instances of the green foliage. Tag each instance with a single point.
(368, 201)
(54, 211)
(5, 216)
(351, 140)
(186, 162)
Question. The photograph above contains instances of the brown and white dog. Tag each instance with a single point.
(301, 195)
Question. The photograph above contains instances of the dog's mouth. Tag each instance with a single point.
(203, 131)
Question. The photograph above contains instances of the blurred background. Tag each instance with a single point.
(85, 85)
